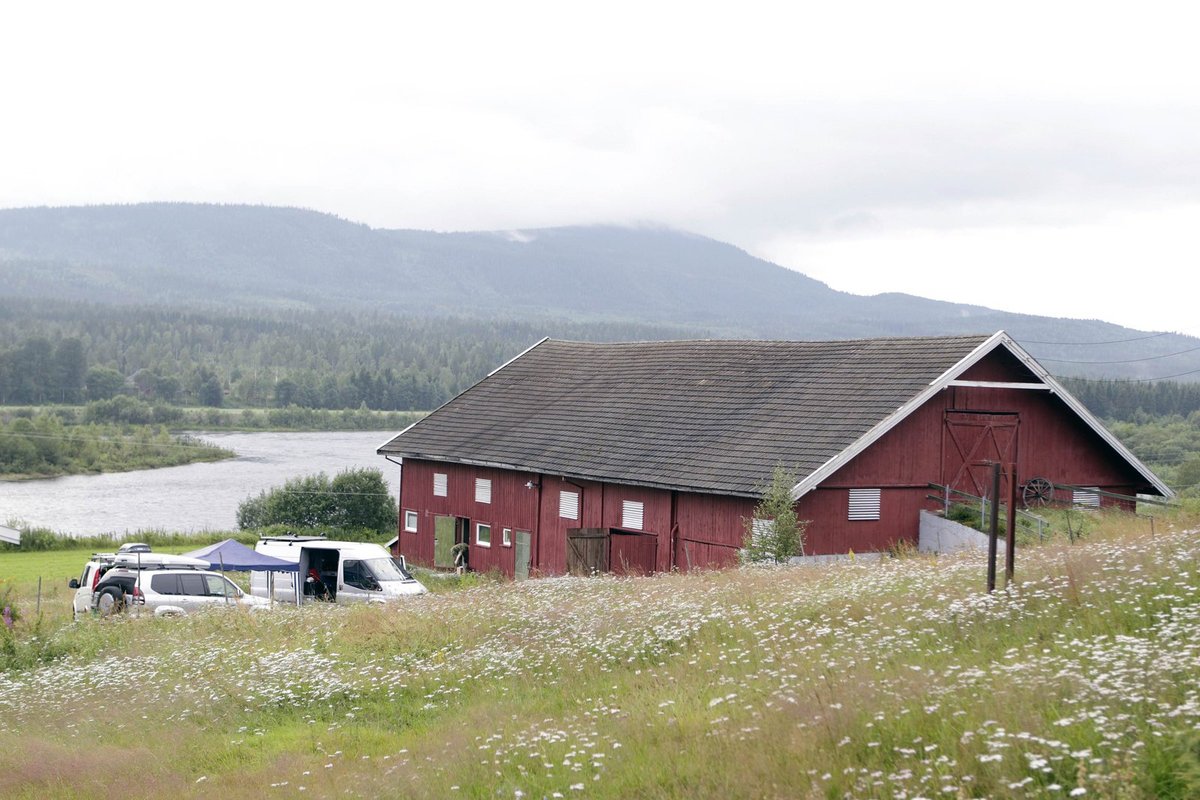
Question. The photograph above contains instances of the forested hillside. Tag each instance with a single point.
(255, 259)
(66, 352)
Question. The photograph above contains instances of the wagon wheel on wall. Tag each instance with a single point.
(1037, 492)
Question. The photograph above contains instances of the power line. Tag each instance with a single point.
(337, 494)
(1125, 361)
(1111, 341)
(1165, 377)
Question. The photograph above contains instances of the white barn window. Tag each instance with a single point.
(1086, 498)
(410, 521)
(864, 504)
(568, 505)
(483, 535)
(631, 514)
(440, 484)
(483, 490)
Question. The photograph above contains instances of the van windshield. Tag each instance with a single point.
(385, 569)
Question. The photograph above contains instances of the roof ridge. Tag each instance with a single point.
(717, 340)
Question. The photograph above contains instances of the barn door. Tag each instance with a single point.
(971, 437)
(521, 566)
(587, 551)
(443, 542)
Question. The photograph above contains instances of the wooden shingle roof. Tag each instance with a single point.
(711, 416)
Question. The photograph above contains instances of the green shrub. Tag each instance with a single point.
(775, 534)
(354, 499)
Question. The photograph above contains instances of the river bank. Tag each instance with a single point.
(131, 411)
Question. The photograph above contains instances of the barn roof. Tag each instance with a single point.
(702, 415)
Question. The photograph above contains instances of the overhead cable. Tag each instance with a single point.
(1125, 361)
(1111, 341)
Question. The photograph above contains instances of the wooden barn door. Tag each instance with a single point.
(587, 551)
(971, 437)
(521, 562)
(444, 529)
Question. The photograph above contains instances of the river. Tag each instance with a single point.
(193, 497)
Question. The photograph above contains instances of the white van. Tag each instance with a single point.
(333, 571)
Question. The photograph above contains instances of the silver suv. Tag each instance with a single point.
(168, 592)
(101, 563)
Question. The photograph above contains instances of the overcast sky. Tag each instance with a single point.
(1034, 157)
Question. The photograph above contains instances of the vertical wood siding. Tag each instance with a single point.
(710, 529)
(513, 506)
(656, 516)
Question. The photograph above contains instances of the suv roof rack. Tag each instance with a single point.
(292, 537)
(136, 561)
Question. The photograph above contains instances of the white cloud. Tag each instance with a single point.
(1137, 269)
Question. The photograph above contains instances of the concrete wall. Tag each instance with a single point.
(940, 535)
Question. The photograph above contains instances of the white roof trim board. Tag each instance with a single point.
(948, 378)
(380, 451)
(518, 355)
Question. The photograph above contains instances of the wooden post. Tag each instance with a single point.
(1010, 541)
(993, 535)
(39, 597)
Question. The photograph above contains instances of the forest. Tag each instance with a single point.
(68, 352)
(139, 365)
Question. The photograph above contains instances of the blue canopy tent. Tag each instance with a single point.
(231, 554)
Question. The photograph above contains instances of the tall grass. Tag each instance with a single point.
(897, 678)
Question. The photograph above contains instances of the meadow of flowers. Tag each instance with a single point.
(898, 678)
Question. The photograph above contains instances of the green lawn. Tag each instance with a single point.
(20, 573)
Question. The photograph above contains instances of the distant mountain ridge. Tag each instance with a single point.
(247, 257)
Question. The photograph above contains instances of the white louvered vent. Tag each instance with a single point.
(568, 505)
(483, 490)
(864, 504)
(440, 484)
(631, 514)
(1086, 498)
(760, 529)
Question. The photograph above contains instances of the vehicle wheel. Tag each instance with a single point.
(110, 601)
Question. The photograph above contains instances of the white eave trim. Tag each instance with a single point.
(518, 355)
(950, 378)
(1095, 424)
(381, 452)
(1000, 385)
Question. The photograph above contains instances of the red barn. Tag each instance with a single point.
(652, 454)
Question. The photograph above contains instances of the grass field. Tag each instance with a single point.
(899, 678)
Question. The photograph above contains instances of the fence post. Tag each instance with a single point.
(994, 528)
(1010, 553)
